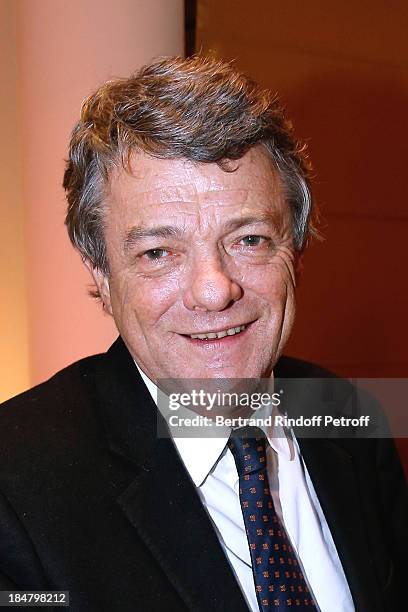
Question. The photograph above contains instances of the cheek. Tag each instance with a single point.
(271, 283)
(143, 299)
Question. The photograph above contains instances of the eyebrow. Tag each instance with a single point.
(270, 217)
(138, 233)
(135, 234)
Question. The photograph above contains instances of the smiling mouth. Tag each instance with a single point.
(218, 335)
(231, 331)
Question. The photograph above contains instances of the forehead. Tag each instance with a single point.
(171, 186)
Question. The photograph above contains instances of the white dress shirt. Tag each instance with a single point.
(212, 469)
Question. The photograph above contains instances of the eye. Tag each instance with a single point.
(155, 254)
(252, 240)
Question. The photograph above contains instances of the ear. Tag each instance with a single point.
(101, 281)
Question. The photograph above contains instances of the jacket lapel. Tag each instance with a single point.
(333, 475)
(162, 502)
(332, 463)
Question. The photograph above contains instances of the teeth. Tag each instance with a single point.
(225, 332)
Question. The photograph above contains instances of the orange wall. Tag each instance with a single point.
(53, 54)
(13, 303)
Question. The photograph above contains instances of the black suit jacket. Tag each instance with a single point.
(92, 502)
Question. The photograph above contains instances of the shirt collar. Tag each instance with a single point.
(200, 455)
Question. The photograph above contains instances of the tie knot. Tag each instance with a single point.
(248, 448)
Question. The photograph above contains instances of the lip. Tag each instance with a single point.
(226, 341)
(217, 330)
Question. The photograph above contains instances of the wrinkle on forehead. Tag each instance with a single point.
(188, 194)
(179, 191)
(172, 178)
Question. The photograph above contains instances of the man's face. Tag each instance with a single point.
(197, 251)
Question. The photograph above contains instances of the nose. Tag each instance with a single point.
(210, 287)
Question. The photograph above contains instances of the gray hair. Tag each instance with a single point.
(200, 109)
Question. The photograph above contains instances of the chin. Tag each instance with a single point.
(234, 372)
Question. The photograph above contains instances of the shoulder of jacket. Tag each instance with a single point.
(50, 415)
(59, 384)
(293, 367)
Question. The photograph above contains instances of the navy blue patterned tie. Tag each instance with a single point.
(279, 582)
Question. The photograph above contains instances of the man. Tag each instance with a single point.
(188, 199)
